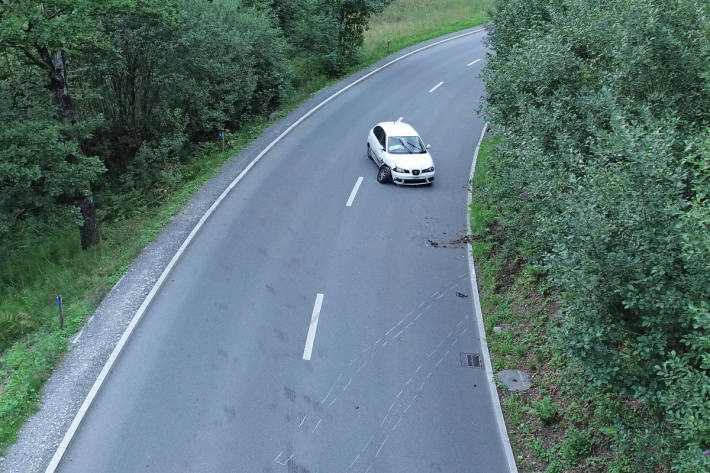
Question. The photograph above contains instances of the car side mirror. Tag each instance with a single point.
(428, 146)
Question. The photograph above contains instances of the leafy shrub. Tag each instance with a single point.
(576, 445)
(554, 467)
(179, 71)
(604, 179)
(546, 410)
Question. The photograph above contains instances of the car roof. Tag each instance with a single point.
(398, 128)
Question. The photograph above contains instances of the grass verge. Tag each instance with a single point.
(42, 266)
(408, 22)
(560, 424)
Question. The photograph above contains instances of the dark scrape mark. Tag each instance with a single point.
(281, 335)
(221, 306)
(313, 403)
(290, 394)
(230, 411)
(461, 294)
(270, 289)
(294, 467)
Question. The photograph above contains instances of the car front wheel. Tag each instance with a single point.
(368, 151)
(384, 175)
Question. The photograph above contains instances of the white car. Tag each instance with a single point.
(400, 154)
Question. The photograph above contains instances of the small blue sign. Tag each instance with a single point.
(222, 134)
(57, 301)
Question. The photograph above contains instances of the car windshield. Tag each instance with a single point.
(405, 145)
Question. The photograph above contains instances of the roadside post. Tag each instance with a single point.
(223, 142)
(60, 304)
(388, 46)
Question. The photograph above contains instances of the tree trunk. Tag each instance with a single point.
(89, 230)
(58, 84)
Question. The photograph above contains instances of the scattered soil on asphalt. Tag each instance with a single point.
(460, 242)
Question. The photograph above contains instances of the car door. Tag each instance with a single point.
(381, 140)
(373, 143)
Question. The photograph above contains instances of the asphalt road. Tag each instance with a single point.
(214, 379)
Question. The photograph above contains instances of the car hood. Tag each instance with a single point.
(412, 161)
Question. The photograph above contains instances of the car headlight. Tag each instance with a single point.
(431, 169)
(398, 169)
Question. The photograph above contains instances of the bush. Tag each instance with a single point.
(546, 410)
(179, 71)
(604, 179)
(576, 445)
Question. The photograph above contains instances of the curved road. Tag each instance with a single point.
(219, 378)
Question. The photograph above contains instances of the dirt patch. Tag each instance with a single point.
(459, 242)
(507, 275)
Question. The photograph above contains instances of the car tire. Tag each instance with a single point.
(368, 151)
(384, 175)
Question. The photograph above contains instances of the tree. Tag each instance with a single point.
(44, 35)
(331, 30)
(352, 17)
(178, 72)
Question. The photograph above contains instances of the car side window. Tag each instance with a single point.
(380, 135)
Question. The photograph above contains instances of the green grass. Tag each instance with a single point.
(407, 22)
(43, 264)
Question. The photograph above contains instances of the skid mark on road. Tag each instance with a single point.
(406, 395)
(409, 392)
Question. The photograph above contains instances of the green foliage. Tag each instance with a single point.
(604, 178)
(554, 467)
(325, 34)
(30, 364)
(42, 168)
(180, 71)
(576, 445)
(38, 177)
(546, 410)
(686, 379)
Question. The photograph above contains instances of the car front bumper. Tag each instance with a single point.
(408, 179)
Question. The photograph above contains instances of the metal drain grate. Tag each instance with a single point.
(471, 359)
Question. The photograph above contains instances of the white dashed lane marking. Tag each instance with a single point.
(436, 86)
(353, 193)
(313, 327)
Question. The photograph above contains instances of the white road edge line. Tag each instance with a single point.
(473, 62)
(69, 435)
(353, 193)
(502, 431)
(313, 327)
(436, 86)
